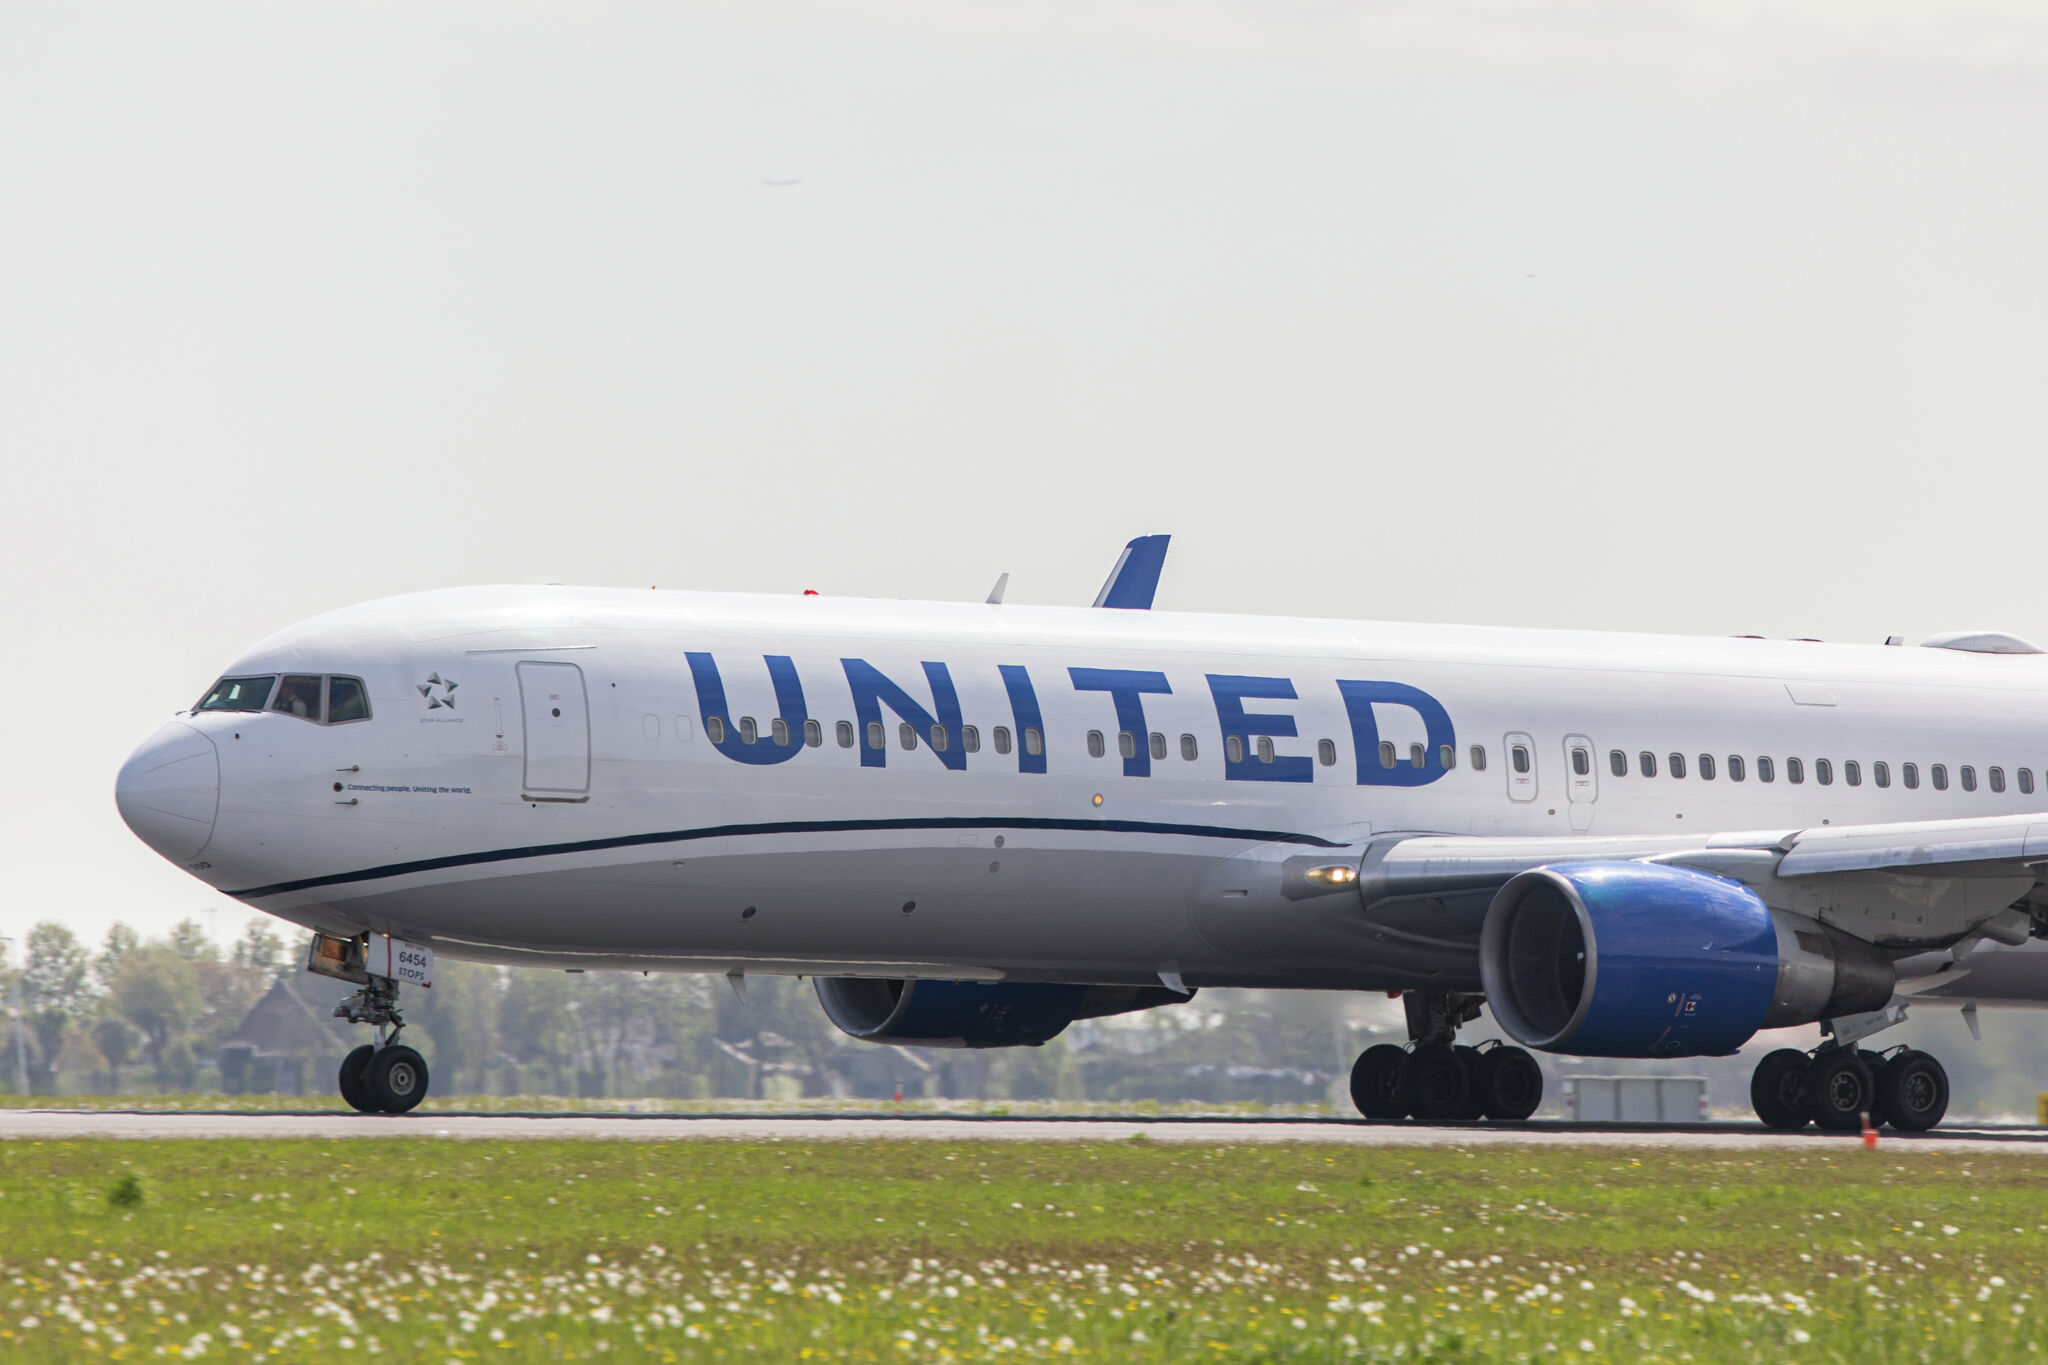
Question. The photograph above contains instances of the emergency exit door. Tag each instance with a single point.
(557, 722)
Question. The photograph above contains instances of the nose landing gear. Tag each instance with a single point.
(384, 1077)
(1437, 1081)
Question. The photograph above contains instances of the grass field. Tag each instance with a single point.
(425, 1249)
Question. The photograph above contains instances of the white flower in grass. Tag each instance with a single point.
(1800, 1336)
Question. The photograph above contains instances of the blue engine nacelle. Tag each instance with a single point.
(924, 1013)
(1628, 959)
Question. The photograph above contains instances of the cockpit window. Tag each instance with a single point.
(299, 695)
(238, 694)
(346, 700)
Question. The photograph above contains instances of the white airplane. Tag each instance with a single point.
(975, 824)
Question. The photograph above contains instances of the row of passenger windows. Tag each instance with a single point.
(1156, 743)
(328, 700)
(1795, 770)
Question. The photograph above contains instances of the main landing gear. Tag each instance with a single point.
(1838, 1085)
(384, 1077)
(1439, 1080)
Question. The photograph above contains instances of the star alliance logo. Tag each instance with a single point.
(445, 696)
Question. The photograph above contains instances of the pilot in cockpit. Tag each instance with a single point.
(299, 697)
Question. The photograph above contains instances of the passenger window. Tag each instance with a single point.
(749, 732)
(1126, 744)
(1415, 756)
(1479, 758)
(1881, 773)
(940, 739)
(1096, 748)
(1940, 773)
(1326, 752)
(814, 734)
(238, 694)
(1647, 761)
(1676, 765)
(1795, 771)
(1997, 779)
(1582, 762)
(1706, 767)
(1034, 742)
(299, 696)
(1188, 749)
(1446, 754)
(1518, 756)
(1969, 776)
(1002, 739)
(906, 735)
(1852, 773)
(1617, 762)
(877, 737)
(844, 730)
(346, 700)
(1233, 748)
(2026, 776)
(1265, 748)
(1735, 773)
(1823, 772)
(1387, 759)
(1158, 746)
(1765, 770)
(714, 729)
(970, 739)
(1910, 774)
(779, 728)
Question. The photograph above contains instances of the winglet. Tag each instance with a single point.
(1136, 576)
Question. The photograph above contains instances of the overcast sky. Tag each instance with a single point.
(1704, 317)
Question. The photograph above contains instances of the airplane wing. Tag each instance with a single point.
(1135, 578)
(1920, 885)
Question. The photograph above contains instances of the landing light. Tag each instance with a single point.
(1338, 875)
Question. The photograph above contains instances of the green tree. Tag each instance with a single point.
(54, 981)
(57, 974)
(121, 940)
(260, 948)
(156, 990)
(191, 942)
(115, 1038)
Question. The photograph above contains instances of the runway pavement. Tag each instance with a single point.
(59, 1124)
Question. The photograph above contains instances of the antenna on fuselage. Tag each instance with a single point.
(995, 594)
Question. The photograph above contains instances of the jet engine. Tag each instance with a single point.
(926, 1013)
(1631, 959)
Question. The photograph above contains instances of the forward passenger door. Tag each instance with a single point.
(556, 712)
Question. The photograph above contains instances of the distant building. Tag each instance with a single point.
(286, 1045)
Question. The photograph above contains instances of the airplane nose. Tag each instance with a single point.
(169, 790)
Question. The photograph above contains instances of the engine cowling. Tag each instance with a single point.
(1631, 959)
(928, 1013)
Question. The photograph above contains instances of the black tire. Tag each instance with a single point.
(397, 1079)
(1913, 1091)
(1839, 1090)
(353, 1091)
(1472, 1059)
(1777, 1089)
(1376, 1082)
(1438, 1088)
(1510, 1085)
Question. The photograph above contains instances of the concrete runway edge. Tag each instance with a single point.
(64, 1124)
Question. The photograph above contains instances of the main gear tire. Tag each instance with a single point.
(1437, 1083)
(1510, 1085)
(1777, 1089)
(1912, 1089)
(1376, 1082)
(1839, 1090)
